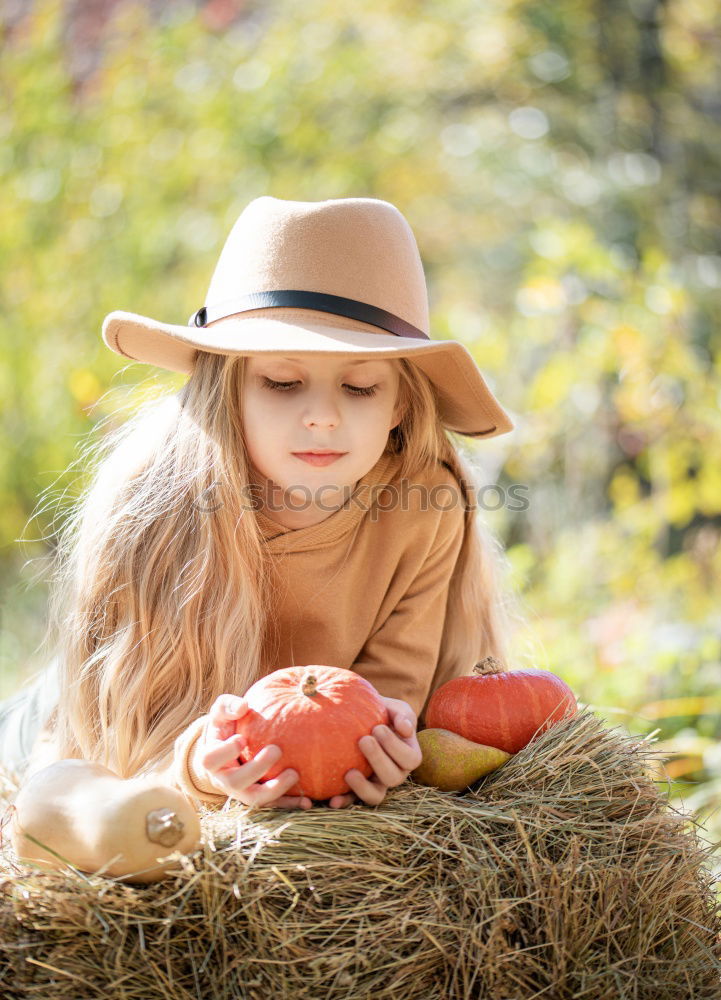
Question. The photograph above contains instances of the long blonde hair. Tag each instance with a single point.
(163, 590)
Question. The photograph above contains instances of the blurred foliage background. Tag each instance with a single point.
(560, 165)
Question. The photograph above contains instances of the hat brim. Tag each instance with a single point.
(467, 406)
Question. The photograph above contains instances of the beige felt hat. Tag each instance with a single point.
(343, 277)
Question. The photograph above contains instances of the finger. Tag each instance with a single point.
(404, 725)
(341, 801)
(222, 715)
(371, 792)
(292, 802)
(402, 718)
(224, 753)
(403, 751)
(378, 757)
(254, 770)
(222, 763)
(391, 737)
(238, 783)
(267, 792)
(228, 706)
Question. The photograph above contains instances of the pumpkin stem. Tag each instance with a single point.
(309, 685)
(163, 826)
(488, 665)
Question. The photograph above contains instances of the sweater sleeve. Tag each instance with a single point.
(401, 657)
(186, 771)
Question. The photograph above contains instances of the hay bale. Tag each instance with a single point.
(563, 874)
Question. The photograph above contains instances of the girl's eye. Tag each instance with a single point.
(271, 384)
(355, 390)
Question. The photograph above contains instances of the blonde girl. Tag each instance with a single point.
(216, 543)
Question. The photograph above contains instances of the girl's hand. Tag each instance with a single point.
(391, 756)
(222, 747)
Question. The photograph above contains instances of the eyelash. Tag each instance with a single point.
(356, 390)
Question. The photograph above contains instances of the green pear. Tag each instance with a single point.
(451, 762)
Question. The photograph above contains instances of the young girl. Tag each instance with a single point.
(298, 501)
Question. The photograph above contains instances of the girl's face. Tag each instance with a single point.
(301, 403)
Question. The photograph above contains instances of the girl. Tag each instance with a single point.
(298, 501)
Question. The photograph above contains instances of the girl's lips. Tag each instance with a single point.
(312, 459)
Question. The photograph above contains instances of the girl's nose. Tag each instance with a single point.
(321, 412)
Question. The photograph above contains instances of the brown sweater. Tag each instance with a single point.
(366, 589)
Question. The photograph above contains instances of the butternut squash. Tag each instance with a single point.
(83, 813)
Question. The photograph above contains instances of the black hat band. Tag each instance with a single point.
(294, 298)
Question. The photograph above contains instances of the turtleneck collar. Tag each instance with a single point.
(364, 497)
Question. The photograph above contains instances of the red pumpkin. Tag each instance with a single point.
(316, 715)
(502, 709)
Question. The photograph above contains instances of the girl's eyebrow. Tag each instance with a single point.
(363, 361)
(346, 364)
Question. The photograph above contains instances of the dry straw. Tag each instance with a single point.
(566, 873)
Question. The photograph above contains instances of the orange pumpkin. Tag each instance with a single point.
(500, 708)
(316, 715)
